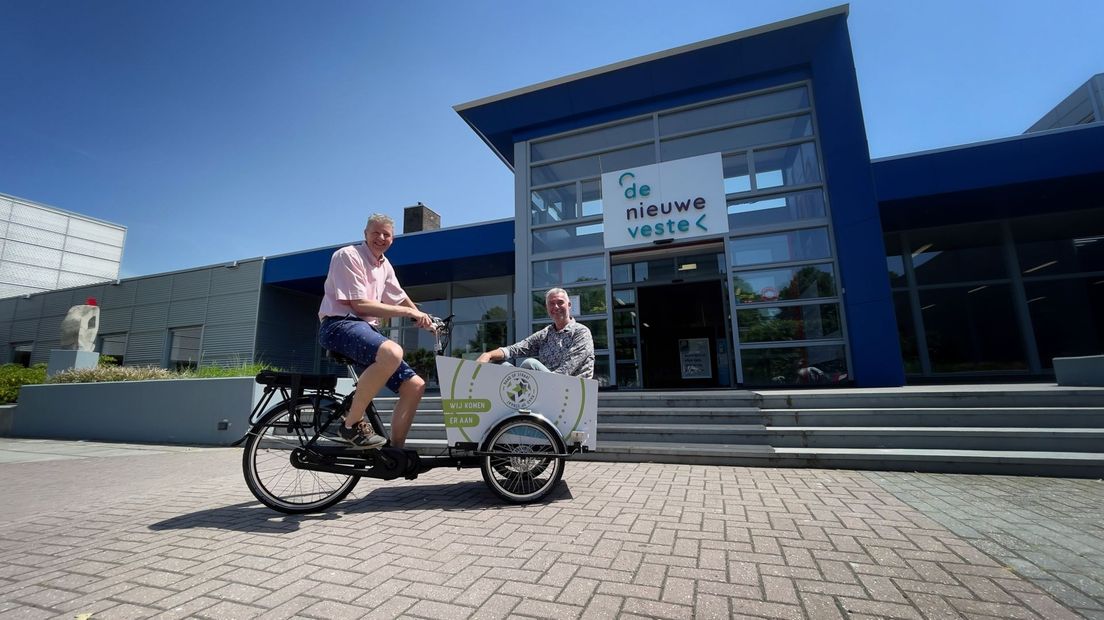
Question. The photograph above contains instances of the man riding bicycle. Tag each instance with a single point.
(361, 288)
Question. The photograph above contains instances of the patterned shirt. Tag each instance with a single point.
(568, 352)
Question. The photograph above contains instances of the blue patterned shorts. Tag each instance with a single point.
(359, 341)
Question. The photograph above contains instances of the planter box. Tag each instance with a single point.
(1087, 370)
(176, 411)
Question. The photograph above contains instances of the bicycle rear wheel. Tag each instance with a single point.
(266, 459)
(520, 468)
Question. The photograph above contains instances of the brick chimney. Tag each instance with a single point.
(419, 218)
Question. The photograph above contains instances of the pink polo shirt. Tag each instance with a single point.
(356, 274)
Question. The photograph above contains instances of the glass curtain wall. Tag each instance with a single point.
(999, 297)
(780, 253)
(482, 321)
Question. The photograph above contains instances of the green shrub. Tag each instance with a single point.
(244, 370)
(107, 360)
(142, 373)
(112, 373)
(14, 376)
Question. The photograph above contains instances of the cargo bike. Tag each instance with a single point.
(517, 426)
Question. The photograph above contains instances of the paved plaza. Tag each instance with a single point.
(113, 531)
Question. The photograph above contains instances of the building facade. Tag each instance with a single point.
(714, 215)
(43, 248)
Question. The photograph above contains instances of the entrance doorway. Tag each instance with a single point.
(671, 326)
(683, 335)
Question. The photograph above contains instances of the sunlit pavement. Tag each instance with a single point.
(126, 531)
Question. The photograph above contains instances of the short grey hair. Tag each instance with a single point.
(556, 291)
(379, 218)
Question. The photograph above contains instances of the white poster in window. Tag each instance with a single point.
(694, 358)
(574, 301)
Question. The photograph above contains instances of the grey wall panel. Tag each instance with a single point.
(118, 295)
(7, 309)
(24, 330)
(114, 320)
(245, 277)
(49, 328)
(230, 339)
(29, 308)
(41, 353)
(232, 308)
(154, 290)
(81, 295)
(146, 348)
(191, 284)
(56, 303)
(186, 312)
(287, 332)
(155, 316)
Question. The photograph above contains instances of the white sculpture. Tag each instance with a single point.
(79, 327)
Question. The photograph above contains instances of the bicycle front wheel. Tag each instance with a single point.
(266, 459)
(520, 467)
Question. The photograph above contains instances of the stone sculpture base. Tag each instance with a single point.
(64, 359)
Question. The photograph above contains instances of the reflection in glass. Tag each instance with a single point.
(480, 308)
(602, 370)
(558, 272)
(805, 205)
(958, 253)
(825, 365)
(469, 340)
(737, 177)
(895, 262)
(972, 328)
(791, 165)
(906, 332)
(1067, 317)
(804, 282)
(621, 274)
(779, 247)
(735, 138)
(734, 111)
(597, 139)
(567, 238)
(592, 198)
(812, 322)
(1060, 243)
(553, 204)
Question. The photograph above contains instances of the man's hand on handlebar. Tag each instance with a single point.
(424, 321)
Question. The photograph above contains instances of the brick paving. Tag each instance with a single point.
(1046, 529)
(177, 535)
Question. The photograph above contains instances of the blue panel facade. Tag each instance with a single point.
(461, 253)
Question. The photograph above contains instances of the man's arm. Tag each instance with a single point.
(525, 348)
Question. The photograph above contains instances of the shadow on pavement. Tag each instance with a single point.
(255, 517)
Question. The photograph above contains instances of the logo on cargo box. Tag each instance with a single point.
(518, 390)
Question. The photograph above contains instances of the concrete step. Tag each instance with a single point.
(1062, 464)
(679, 415)
(954, 397)
(967, 438)
(1024, 417)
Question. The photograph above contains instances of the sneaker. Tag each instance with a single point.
(360, 435)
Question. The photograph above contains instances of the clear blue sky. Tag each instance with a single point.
(220, 130)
